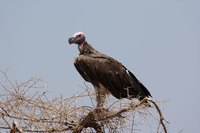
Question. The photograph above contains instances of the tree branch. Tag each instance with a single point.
(22, 102)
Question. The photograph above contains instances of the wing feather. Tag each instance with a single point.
(111, 74)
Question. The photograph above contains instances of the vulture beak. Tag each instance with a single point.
(71, 40)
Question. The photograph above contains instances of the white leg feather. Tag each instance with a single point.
(101, 93)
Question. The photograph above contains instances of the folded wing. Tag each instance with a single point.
(102, 69)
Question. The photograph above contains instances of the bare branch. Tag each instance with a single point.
(161, 116)
(26, 107)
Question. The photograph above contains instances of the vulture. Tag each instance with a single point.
(107, 75)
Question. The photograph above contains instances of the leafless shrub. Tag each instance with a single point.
(25, 107)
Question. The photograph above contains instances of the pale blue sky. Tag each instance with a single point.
(159, 41)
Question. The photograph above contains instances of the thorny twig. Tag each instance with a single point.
(27, 105)
(160, 114)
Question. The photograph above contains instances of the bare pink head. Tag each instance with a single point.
(77, 38)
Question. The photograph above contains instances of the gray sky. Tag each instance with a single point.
(159, 41)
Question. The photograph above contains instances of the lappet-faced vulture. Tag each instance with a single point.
(107, 75)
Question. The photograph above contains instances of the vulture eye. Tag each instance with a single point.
(79, 35)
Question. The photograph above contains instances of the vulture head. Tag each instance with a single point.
(77, 38)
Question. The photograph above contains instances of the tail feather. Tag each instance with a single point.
(144, 89)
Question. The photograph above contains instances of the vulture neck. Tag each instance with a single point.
(85, 48)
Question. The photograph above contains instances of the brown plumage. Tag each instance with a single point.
(105, 73)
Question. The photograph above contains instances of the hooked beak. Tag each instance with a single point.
(71, 40)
